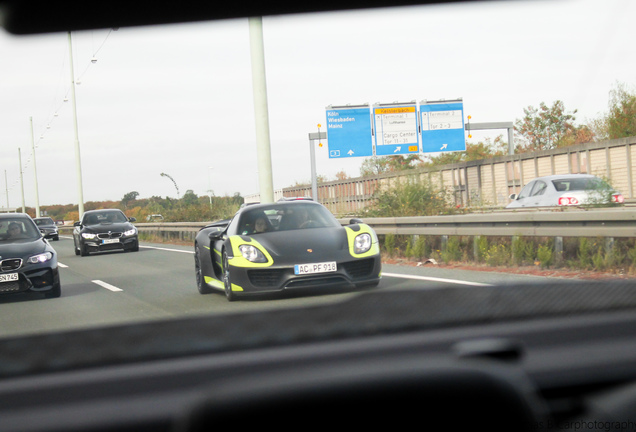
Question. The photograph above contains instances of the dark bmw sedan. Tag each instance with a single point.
(27, 262)
(105, 230)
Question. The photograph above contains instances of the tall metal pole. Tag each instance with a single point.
(263, 150)
(35, 172)
(78, 159)
(21, 180)
(312, 157)
(6, 188)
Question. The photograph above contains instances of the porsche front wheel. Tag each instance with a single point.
(227, 282)
(198, 271)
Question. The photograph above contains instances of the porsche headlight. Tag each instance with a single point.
(40, 258)
(130, 232)
(89, 236)
(362, 243)
(252, 254)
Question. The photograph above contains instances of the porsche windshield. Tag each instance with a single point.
(285, 217)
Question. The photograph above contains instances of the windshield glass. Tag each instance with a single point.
(104, 217)
(285, 218)
(43, 221)
(401, 118)
(18, 229)
(582, 184)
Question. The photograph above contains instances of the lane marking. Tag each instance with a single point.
(61, 265)
(167, 249)
(434, 279)
(107, 285)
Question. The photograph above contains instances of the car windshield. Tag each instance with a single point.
(18, 230)
(43, 221)
(581, 184)
(419, 121)
(102, 218)
(279, 217)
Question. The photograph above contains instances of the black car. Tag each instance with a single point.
(27, 260)
(47, 227)
(105, 230)
(269, 248)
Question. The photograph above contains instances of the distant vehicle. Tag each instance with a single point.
(47, 227)
(288, 245)
(297, 198)
(28, 263)
(104, 230)
(566, 190)
(154, 217)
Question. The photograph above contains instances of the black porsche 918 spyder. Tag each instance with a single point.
(270, 248)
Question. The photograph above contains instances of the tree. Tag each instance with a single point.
(130, 196)
(621, 119)
(378, 165)
(341, 175)
(481, 150)
(546, 127)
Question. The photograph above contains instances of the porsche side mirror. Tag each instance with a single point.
(355, 221)
(513, 196)
(132, 219)
(78, 223)
(216, 235)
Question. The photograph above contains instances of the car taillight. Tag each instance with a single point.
(563, 201)
(618, 198)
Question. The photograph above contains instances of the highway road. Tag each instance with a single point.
(158, 283)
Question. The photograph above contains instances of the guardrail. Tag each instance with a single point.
(606, 222)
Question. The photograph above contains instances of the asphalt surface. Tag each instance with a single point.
(158, 283)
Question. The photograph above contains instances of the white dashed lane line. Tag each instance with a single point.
(434, 279)
(107, 286)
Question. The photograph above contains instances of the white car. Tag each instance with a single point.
(566, 190)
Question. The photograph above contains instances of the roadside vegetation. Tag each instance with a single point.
(614, 256)
(189, 208)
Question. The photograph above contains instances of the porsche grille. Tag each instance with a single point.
(268, 278)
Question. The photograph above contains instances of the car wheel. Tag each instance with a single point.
(227, 282)
(54, 292)
(198, 271)
(82, 249)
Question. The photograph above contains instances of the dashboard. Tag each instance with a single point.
(530, 357)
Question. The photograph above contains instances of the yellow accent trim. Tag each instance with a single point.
(213, 282)
(239, 261)
(351, 237)
(236, 288)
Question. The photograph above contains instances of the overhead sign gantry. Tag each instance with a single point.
(395, 128)
(349, 131)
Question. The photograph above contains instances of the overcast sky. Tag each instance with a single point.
(178, 99)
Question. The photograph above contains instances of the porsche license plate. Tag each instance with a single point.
(8, 277)
(107, 241)
(323, 267)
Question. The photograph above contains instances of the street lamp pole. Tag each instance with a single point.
(35, 173)
(21, 180)
(78, 159)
